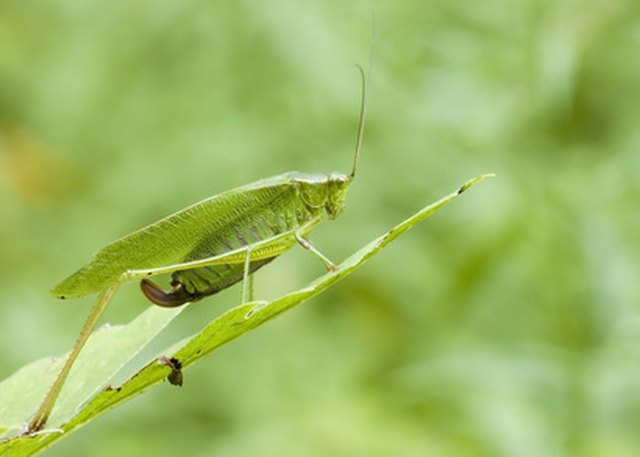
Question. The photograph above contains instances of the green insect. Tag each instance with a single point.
(210, 245)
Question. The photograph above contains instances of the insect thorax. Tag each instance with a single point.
(323, 191)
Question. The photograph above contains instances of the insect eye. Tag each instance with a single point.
(338, 178)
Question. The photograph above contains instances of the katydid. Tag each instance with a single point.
(210, 245)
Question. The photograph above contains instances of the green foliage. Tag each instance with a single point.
(106, 350)
(509, 327)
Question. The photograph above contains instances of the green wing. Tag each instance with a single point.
(170, 240)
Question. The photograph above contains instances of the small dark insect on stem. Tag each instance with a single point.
(175, 378)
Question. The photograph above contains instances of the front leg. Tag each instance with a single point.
(308, 246)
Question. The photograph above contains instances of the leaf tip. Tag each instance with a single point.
(474, 181)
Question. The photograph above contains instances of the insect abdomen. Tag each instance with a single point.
(253, 223)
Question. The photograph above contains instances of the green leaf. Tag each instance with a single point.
(103, 355)
(107, 351)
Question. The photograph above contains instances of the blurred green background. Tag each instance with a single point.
(507, 325)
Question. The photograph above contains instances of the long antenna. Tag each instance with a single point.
(366, 84)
